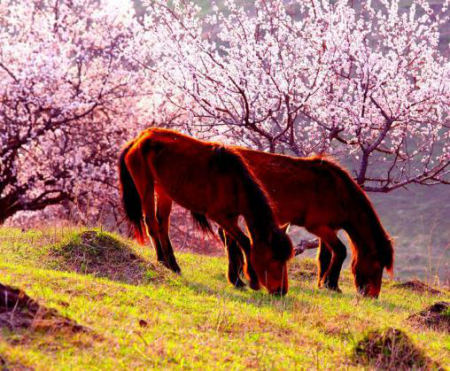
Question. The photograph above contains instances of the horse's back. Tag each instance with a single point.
(188, 170)
(304, 190)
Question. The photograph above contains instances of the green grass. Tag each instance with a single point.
(196, 320)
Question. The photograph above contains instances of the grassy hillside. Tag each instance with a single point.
(139, 315)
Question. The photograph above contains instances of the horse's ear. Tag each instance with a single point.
(285, 228)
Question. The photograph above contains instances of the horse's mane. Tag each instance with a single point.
(227, 159)
(383, 242)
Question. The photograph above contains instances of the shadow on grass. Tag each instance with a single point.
(301, 272)
(102, 255)
(260, 299)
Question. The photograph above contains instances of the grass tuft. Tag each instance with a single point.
(104, 255)
(390, 349)
(303, 270)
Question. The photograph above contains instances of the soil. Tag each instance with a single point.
(104, 256)
(418, 286)
(18, 310)
(435, 317)
(391, 349)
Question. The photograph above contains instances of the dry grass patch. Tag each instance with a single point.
(391, 349)
(304, 269)
(417, 286)
(6, 365)
(435, 317)
(102, 255)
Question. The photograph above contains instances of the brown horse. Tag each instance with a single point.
(213, 182)
(321, 196)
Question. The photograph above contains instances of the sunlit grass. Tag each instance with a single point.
(196, 320)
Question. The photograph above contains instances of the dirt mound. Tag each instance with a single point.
(102, 255)
(18, 310)
(417, 286)
(436, 317)
(391, 349)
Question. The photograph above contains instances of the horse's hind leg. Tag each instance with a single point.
(235, 259)
(143, 179)
(164, 207)
(329, 237)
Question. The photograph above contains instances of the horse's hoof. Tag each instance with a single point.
(333, 288)
(254, 285)
(326, 285)
(239, 284)
(174, 268)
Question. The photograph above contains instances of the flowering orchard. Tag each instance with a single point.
(302, 77)
(78, 78)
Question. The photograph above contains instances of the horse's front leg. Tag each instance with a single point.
(164, 207)
(232, 229)
(235, 259)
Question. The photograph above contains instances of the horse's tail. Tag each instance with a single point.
(202, 222)
(130, 196)
(383, 244)
(259, 202)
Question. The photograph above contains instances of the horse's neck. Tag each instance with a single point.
(258, 229)
(361, 232)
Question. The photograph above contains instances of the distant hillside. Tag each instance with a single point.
(419, 221)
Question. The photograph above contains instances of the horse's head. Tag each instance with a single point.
(368, 277)
(269, 260)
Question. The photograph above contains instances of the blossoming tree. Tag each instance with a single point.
(78, 78)
(66, 100)
(308, 77)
